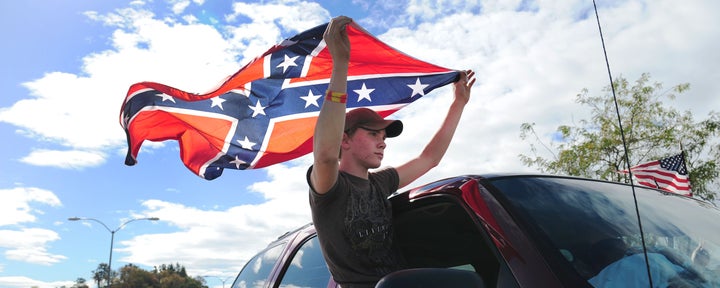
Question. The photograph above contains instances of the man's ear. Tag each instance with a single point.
(344, 144)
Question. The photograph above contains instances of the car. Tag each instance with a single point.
(524, 230)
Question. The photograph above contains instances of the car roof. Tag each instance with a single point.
(292, 233)
(450, 185)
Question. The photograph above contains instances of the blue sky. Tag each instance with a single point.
(67, 66)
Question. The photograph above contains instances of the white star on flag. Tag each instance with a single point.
(364, 93)
(246, 144)
(237, 160)
(257, 109)
(217, 101)
(418, 88)
(166, 97)
(287, 63)
(310, 99)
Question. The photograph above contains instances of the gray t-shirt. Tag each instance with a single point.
(354, 225)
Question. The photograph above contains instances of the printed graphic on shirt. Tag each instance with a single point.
(368, 227)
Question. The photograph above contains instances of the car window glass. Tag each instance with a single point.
(257, 271)
(307, 267)
(593, 227)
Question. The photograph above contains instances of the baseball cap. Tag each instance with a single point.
(368, 119)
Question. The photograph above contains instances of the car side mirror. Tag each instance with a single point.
(431, 278)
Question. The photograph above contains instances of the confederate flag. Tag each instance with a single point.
(265, 113)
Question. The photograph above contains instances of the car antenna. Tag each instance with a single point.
(625, 148)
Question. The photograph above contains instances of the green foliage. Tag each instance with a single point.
(133, 276)
(80, 283)
(652, 130)
(165, 276)
(101, 274)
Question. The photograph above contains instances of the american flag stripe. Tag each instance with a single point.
(667, 181)
(667, 174)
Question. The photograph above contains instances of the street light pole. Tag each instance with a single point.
(218, 277)
(112, 236)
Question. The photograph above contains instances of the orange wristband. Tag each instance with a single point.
(336, 97)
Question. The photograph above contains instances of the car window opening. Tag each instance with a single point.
(439, 233)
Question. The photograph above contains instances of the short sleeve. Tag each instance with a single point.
(317, 199)
(388, 180)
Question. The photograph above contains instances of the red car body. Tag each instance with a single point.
(522, 231)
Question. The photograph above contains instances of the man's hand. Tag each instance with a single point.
(462, 87)
(336, 38)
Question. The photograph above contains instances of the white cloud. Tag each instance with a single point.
(178, 6)
(292, 15)
(27, 244)
(16, 207)
(223, 240)
(270, 23)
(78, 106)
(65, 159)
(24, 282)
(30, 245)
(429, 10)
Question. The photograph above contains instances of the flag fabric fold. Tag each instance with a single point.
(265, 113)
(669, 174)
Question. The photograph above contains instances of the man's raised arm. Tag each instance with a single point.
(438, 145)
(331, 121)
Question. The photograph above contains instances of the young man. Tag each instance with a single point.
(350, 210)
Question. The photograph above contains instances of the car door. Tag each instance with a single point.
(306, 267)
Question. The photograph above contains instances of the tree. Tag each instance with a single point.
(166, 276)
(176, 276)
(594, 147)
(133, 276)
(101, 274)
(80, 283)
(130, 276)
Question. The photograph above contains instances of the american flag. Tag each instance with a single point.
(265, 113)
(669, 174)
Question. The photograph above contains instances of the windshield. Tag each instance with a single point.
(592, 226)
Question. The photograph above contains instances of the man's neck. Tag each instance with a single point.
(354, 169)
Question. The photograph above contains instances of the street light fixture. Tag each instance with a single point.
(112, 236)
